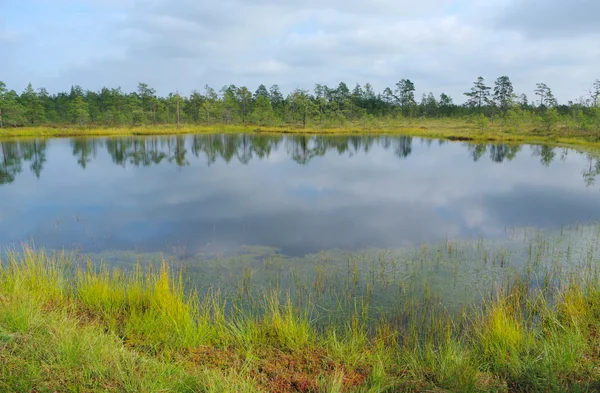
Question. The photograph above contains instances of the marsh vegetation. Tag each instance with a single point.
(488, 113)
(518, 315)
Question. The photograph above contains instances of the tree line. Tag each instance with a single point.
(243, 148)
(324, 106)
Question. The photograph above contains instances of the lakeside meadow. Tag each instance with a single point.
(520, 315)
(562, 134)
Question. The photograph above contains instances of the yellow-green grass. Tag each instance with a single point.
(68, 328)
(562, 134)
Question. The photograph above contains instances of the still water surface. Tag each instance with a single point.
(217, 194)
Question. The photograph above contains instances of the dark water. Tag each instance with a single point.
(218, 193)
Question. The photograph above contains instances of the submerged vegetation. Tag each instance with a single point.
(489, 114)
(520, 316)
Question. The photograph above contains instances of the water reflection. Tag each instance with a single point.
(154, 150)
(300, 194)
(15, 154)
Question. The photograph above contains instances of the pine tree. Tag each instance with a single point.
(503, 93)
(405, 96)
(479, 96)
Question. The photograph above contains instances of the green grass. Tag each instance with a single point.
(565, 133)
(67, 326)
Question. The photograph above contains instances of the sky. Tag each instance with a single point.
(441, 45)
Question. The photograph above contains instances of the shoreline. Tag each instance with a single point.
(139, 330)
(444, 130)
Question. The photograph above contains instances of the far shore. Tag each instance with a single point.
(446, 129)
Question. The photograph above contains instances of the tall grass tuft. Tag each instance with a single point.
(71, 326)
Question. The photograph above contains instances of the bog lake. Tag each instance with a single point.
(362, 216)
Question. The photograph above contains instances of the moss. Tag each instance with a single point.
(448, 129)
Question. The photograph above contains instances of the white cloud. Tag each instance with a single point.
(442, 45)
